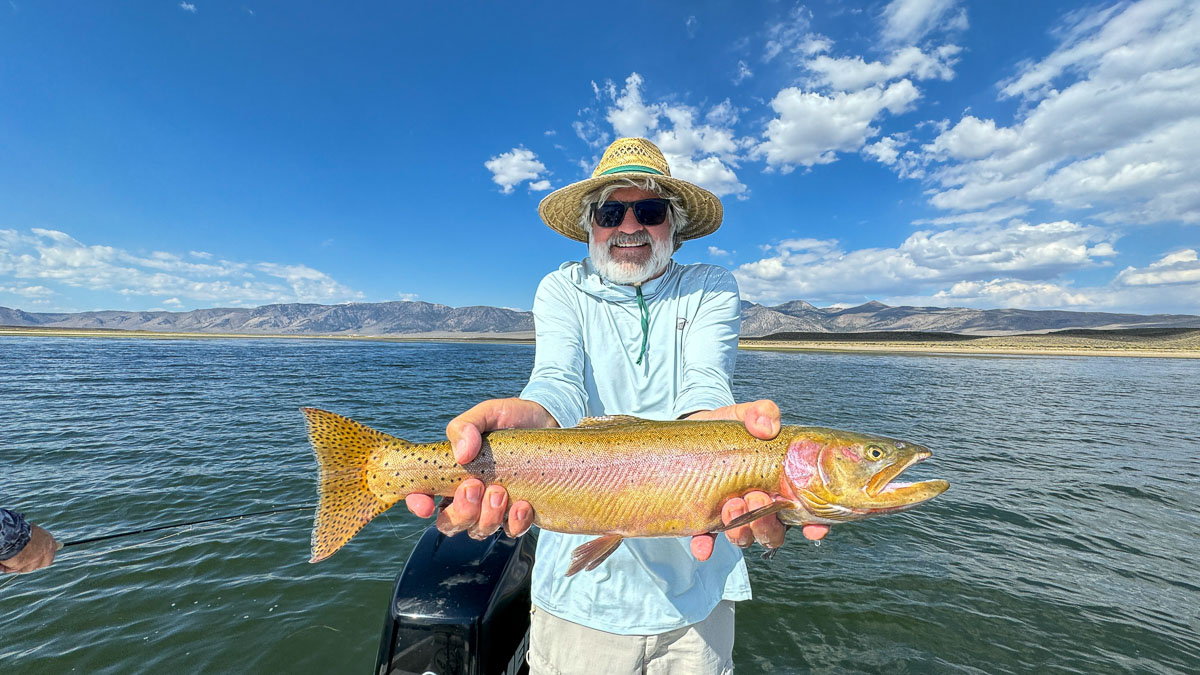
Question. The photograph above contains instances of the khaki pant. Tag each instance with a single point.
(559, 647)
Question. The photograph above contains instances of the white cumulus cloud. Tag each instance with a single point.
(853, 72)
(792, 35)
(630, 115)
(57, 261)
(743, 73)
(700, 146)
(511, 168)
(908, 21)
(811, 128)
(33, 292)
(820, 271)
(1013, 293)
(1181, 267)
(843, 100)
(1110, 123)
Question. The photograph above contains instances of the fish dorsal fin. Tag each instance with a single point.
(609, 421)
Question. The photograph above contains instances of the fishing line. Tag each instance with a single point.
(169, 526)
(97, 554)
(396, 532)
(131, 547)
(393, 526)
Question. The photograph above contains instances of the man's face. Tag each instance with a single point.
(631, 253)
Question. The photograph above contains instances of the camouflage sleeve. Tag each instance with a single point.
(14, 533)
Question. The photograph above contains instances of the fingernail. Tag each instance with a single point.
(522, 512)
(459, 448)
(474, 494)
(497, 498)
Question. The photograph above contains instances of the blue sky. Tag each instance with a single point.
(179, 155)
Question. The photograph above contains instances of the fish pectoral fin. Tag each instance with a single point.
(608, 421)
(589, 556)
(746, 518)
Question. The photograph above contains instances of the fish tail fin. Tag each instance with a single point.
(343, 448)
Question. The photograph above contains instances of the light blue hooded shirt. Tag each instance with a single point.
(589, 335)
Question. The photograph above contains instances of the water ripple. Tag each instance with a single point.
(1066, 544)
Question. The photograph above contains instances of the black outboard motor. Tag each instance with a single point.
(460, 607)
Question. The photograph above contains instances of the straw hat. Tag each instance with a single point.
(631, 158)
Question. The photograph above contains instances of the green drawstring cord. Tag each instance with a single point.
(645, 322)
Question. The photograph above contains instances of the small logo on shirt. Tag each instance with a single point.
(680, 323)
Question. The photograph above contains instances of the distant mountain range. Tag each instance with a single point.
(799, 316)
(401, 318)
(362, 318)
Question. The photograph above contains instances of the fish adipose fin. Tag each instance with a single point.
(589, 556)
(746, 518)
(343, 448)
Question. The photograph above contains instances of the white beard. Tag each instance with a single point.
(629, 273)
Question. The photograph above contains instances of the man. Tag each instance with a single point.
(23, 547)
(627, 331)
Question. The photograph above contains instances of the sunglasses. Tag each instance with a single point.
(647, 212)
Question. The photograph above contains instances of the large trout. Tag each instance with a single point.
(618, 477)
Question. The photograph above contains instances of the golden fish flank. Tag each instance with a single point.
(618, 477)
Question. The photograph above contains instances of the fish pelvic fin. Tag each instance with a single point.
(343, 448)
(776, 506)
(589, 556)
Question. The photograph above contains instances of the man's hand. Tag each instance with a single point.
(477, 508)
(762, 421)
(38, 553)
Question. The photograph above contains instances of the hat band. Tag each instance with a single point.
(632, 168)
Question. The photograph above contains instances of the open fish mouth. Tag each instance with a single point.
(884, 486)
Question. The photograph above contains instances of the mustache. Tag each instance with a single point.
(626, 239)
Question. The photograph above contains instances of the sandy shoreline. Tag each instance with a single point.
(963, 348)
(1099, 343)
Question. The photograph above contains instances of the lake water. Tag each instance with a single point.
(1067, 543)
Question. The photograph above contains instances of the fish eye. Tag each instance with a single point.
(874, 452)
